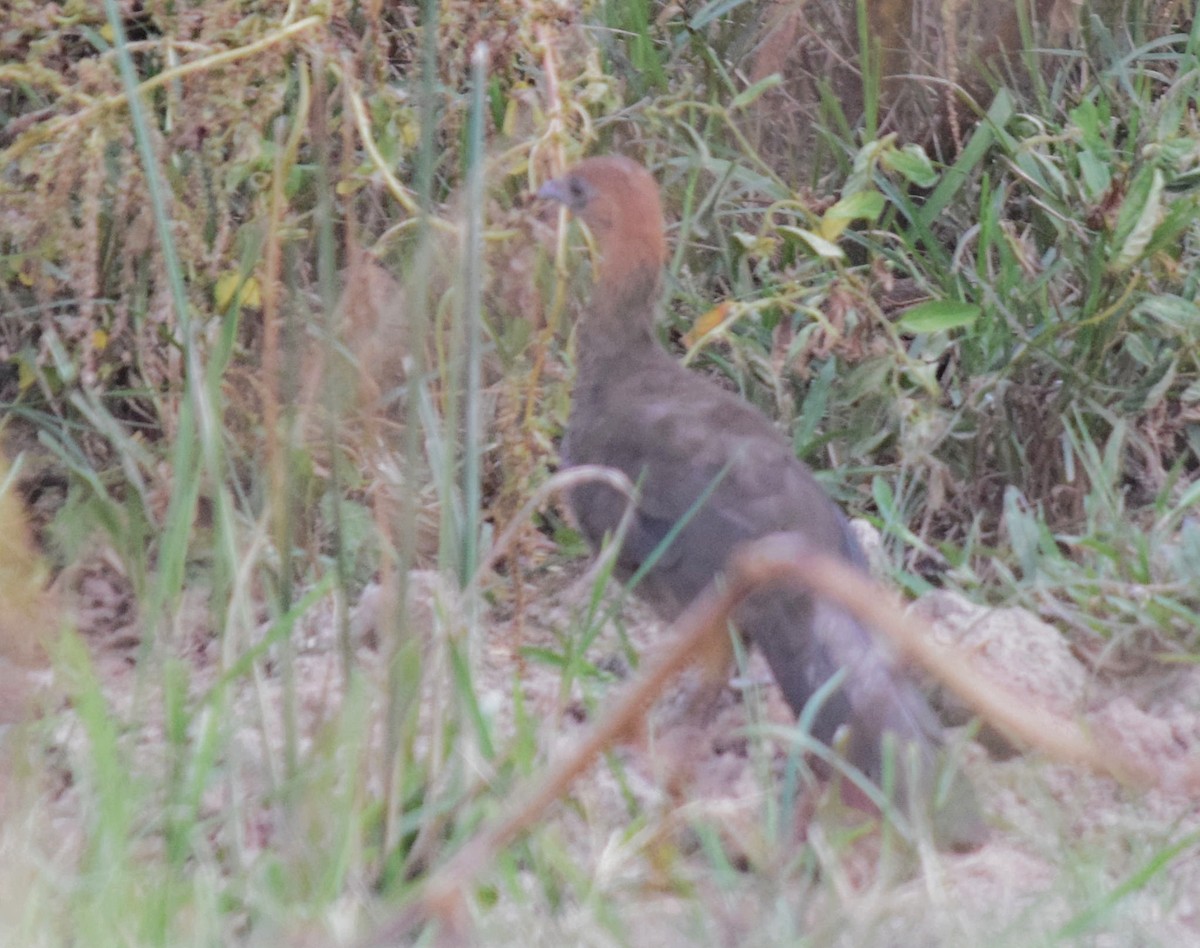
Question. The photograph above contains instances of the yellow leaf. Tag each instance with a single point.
(410, 134)
(707, 323)
(231, 286)
(107, 32)
(99, 340)
(27, 619)
(511, 114)
(25, 374)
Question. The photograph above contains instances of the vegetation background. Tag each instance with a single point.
(285, 347)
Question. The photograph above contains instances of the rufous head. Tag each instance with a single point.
(618, 200)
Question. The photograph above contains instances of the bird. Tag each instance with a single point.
(712, 473)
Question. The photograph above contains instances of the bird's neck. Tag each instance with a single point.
(617, 328)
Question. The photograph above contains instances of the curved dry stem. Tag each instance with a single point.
(41, 133)
(786, 558)
(563, 480)
(362, 122)
(777, 559)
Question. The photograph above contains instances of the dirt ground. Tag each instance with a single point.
(1054, 829)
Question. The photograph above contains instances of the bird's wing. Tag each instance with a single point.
(688, 438)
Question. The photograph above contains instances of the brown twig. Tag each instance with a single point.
(563, 480)
(777, 559)
(702, 624)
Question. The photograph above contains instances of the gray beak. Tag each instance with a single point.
(560, 190)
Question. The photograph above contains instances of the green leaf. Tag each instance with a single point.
(1180, 215)
(1182, 315)
(713, 10)
(1139, 216)
(863, 206)
(939, 314)
(1096, 176)
(746, 96)
(819, 245)
(912, 164)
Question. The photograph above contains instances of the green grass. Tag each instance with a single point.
(247, 770)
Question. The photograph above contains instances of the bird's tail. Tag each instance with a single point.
(806, 644)
(894, 731)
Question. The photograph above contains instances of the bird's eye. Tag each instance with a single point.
(577, 189)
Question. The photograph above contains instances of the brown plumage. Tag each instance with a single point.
(678, 435)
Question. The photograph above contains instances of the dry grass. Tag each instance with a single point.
(225, 429)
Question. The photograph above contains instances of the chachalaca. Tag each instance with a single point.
(680, 437)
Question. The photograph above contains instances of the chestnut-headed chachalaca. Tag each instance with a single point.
(682, 439)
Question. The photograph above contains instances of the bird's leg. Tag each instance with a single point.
(684, 725)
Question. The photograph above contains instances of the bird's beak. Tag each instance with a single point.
(553, 190)
(556, 189)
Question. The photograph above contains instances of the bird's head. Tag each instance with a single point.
(618, 201)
